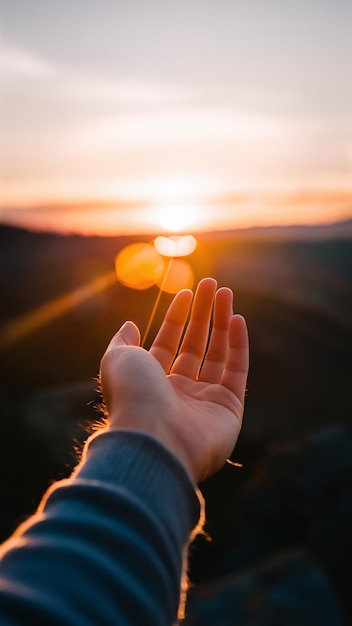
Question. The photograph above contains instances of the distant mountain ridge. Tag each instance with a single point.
(335, 230)
(341, 229)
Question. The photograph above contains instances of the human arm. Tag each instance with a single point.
(107, 546)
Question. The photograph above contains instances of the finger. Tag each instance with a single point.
(236, 368)
(216, 355)
(127, 335)
(167, 341)
(193, 346)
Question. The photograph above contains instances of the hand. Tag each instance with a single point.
(190, 397)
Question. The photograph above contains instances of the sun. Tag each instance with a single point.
(175, 219)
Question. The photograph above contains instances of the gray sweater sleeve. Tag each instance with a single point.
(107, 545)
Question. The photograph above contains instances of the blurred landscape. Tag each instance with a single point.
(286, 515)
(231, 121)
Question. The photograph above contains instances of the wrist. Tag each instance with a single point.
(127, 455)
(159, 428)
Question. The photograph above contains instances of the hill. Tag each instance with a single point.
(296, 296)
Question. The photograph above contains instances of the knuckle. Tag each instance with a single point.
(235, 367)
(193, 350)
(215, 356)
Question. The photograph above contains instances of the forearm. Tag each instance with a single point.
(107, 545)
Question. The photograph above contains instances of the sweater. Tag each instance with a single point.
(108, 545)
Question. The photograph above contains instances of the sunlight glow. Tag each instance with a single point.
(175, 245)
(175, 218)
(181, 187)
(139, 266)
(179, 276)
(45, 313)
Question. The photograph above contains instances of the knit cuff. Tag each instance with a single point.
(139, 464)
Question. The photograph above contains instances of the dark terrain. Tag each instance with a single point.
(280, 527)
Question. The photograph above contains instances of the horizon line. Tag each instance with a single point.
(199, 232)
(300, 194)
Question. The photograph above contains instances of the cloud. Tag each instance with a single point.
(82, 128)
(72, 85)
(18, 63)
(200, 125)
(92, 89)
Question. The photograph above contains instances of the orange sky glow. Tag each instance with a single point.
(180, 118)
(107, 218)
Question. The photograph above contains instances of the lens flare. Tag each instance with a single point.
(179, 276)
(50, 311)
(139, 266)
(176, 245)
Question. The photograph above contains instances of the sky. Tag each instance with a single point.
(126, 116)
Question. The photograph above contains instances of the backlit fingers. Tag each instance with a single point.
(166, 343)
(216, 355)
(236, 369)
(194, 344)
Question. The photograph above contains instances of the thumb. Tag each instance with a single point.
(128, 335)
(110, 372)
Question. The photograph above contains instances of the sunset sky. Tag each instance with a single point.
(196, 113)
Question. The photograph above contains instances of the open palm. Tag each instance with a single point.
(190, 395)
